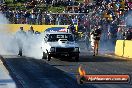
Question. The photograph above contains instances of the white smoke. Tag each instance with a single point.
(129, 19)
(9, 44)
(32, 46)
(6, 43)
(3, 19)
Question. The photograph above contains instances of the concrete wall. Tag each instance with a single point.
(40, 28)
(119, 48)
(128, 49)
(124, 48)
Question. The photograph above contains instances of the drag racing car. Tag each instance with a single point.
(59, 44)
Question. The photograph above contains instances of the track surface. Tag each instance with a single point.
(61, 73)
(38, 73)
(34, 73)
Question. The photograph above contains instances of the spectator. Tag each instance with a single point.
(22, 20)
(128, 35)
(27, 17)
(33, 17)
(18, 16)
(72, 29)
(39, 18)
(2, 1)
(75, 20)
(119, 34)
(58, 19)
(14, 17)
(47, 19)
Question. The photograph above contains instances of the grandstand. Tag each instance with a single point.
(32, 11)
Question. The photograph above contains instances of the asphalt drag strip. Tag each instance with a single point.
(35, 73)
(96, 65)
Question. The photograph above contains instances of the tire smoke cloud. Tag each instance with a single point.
(7, 46)
(9, 43)
(128, 18)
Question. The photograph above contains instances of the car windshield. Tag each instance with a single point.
(56, 37)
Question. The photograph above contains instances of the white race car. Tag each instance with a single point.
(59, 44)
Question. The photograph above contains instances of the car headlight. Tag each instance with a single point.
(52, 49)
(76, 49)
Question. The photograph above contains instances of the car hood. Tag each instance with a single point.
(60, 44)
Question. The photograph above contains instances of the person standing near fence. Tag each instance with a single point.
(27, 17)
(96, 34)
(33, 17)
(39, 18)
